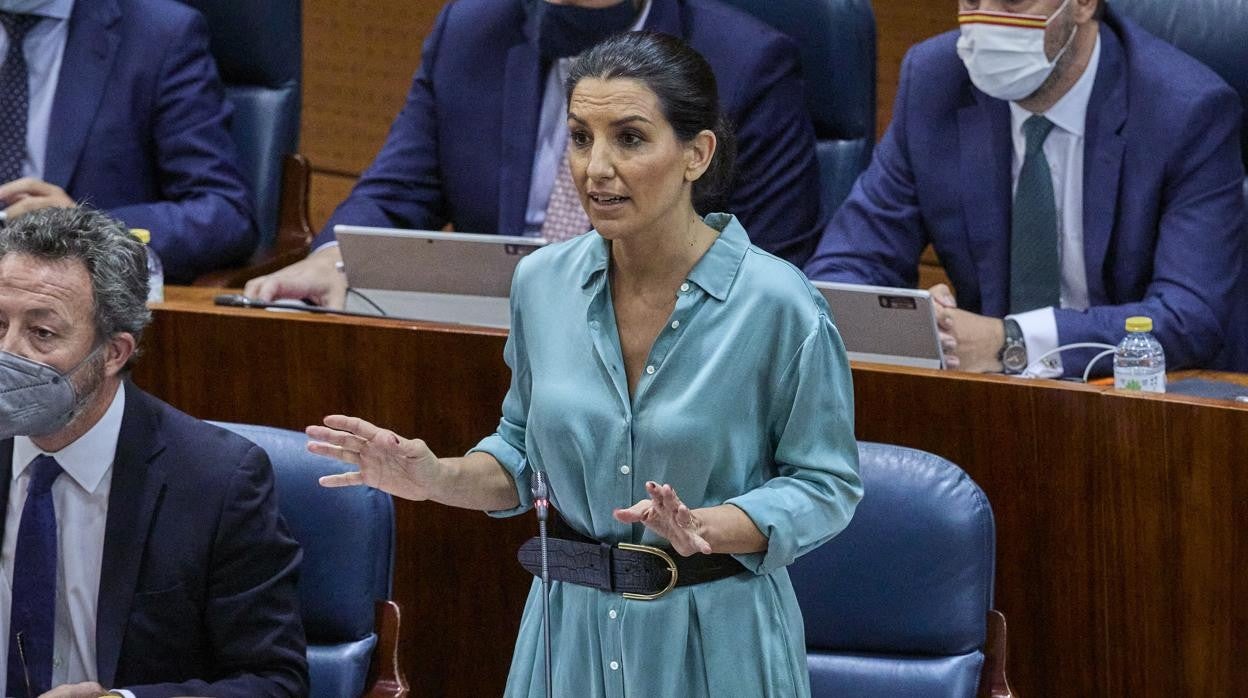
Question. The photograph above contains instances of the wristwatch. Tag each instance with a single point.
(1014, 352)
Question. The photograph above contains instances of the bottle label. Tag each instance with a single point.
(1154, 383)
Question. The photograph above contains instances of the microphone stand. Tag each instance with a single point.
(541, 502)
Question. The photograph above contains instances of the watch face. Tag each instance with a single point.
(1014, 358)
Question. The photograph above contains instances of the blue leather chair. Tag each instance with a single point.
(258, 46)
(347, 537)
(899, 604)
(1213, 31)
(837, 43)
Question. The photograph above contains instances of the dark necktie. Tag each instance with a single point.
(32, 616)
(14, 96)
(1035, 272)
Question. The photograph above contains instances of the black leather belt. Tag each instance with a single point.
(639, 572)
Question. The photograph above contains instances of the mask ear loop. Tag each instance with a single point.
(66, 376)
(91, 354)
(1061, 52)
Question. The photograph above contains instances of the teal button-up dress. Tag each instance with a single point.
(745, 398)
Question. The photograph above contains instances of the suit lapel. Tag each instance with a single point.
(89, 51)
(523, 99)
(986, 152)
(1102, 167)
(136, 490)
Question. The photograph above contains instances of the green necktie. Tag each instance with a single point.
(1035, 273)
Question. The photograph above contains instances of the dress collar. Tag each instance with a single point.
(714, 272)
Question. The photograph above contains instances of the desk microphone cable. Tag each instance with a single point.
(1109, 349)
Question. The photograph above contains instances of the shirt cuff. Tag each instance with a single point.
(331, 243)
(1039, 329)
(516, 466)
(121, 692)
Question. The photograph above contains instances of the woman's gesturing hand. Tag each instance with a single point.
(403, 467)
(667, 516)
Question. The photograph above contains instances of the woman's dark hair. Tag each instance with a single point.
(685, 86)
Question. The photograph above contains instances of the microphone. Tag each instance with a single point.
(541, 502)
(238, 300)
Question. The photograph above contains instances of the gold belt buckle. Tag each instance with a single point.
(658, 552)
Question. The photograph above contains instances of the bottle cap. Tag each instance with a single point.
(1139, 323)
(143, 234)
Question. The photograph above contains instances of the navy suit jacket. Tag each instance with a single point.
(197, 591)
(139, 128)
(462, 149)
(1164, 228)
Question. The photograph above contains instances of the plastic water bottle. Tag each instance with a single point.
(155, 271)
(1139, 361)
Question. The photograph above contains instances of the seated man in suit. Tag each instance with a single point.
(116, 103)
(177, 573)
(481, 141)
(1071, 171)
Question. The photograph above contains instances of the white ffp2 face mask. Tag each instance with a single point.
(1004, 52)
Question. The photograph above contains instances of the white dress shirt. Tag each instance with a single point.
(1064, 151)
(80, 496)
(552, 137)
(44, 49)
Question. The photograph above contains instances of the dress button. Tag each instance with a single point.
(612, 614)
(615, 666)
(675, 324)
(650, 369)
(684, 288)
(624, 470)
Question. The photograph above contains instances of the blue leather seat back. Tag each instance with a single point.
(837, 42)
(258, 46)
(915, 676)
(1215, 32)
(347, 537)
(897, 604)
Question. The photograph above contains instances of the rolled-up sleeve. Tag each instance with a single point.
(817, 487)
(507, 443)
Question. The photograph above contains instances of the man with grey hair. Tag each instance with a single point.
(141, 549)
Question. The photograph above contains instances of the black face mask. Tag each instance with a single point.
(563, 30)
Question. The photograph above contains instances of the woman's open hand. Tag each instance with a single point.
(667, 516)
(403, 467)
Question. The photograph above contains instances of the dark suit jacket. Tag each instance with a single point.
(197, 593)
(1164, 229)
(461, 151)
(139, 128)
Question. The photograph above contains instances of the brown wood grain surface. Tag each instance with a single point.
(1121, 519)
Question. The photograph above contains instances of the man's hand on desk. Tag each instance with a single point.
(971, 342)
(316, 278)
(29, 194)
(77, 690)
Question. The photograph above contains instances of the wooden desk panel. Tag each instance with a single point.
(1121, 519)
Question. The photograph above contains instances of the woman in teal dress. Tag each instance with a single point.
(680, 388)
